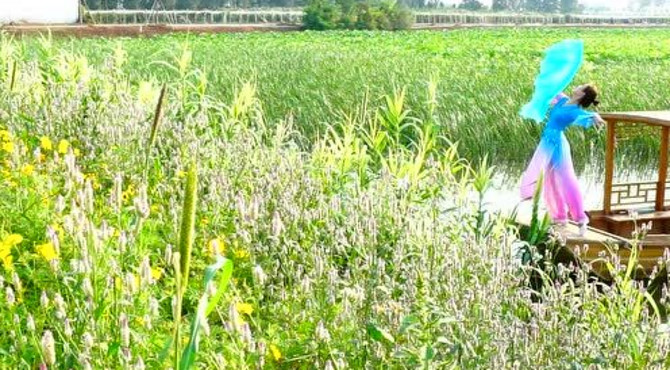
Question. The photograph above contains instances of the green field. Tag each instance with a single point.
(481, 78)
(328, 174)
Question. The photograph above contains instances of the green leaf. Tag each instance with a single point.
(227, 272)
(166, 349)
(378, 334)
(443, 340)
(428, 353)
(205, 307)
(114, 349)
(407, 322)
(188, 356)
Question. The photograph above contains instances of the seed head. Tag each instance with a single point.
(67, 328)
(48, 348)
(125, 330)
(9, 294)
(44, 300)
(30, 323)
(86, 287)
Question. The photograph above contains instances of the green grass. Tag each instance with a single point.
(483, 77)
(356, 228)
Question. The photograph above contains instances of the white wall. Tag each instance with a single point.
(39, 11)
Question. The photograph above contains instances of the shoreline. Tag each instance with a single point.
(148, 30)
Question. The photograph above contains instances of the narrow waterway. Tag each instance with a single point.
(504, 193)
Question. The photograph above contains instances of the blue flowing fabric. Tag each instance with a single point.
(560, 65)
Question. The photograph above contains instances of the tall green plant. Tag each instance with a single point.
(539, 228)
(186, 235)
(482, 180)
(535, 235)
(396, 121)
(155, 124)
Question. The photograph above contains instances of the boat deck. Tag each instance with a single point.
(596, 247)
(570, 232)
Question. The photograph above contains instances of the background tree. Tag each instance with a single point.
(499, 5)
(569, 6)
(550, 6)
(471, 5)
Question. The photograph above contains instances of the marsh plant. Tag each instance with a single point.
(119, 234)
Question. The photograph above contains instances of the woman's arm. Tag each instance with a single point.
(587, 119)
(599, 120)
(558, 98)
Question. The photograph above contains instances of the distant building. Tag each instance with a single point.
(39, 11)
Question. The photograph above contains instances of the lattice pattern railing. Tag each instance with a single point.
(636, 195)
(196, 16)
(294, 16)
(479, 18)
(633, 195)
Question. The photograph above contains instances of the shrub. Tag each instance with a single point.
(322, 15)
(362, 15)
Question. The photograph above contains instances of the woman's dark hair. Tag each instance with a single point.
(590, 95)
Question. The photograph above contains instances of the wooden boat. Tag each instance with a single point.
(626, 207)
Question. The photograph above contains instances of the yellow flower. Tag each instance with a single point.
(45, 143)
(28, 170)
(77, 152)
(94, 180)
(215, 247)
(4, 135)
(47, 251)
(244, 308)
(241, 254)
(275, 352)
(63, 145)
(42, 157)
(128, 193)
(6, 250)
(8, 147)
(181, 174)
(59, 230)
(12, 240)
(156, 273)
(204, 221)
(7, 260)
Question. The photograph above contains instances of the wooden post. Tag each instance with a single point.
(609, 166)
(662, 170)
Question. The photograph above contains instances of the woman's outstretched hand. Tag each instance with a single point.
(599, 122)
